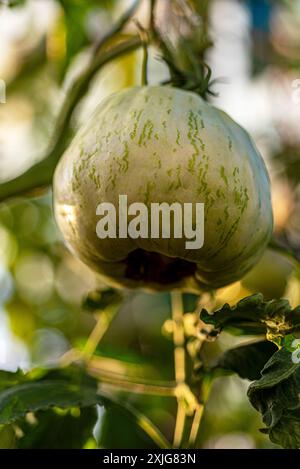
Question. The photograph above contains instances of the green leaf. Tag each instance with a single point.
(253, 314)
(247, 360)
(73, 429)
(276, 396)
(41, 389)
(8, 378)
(16, 401)
(64, 388)
(21, 393)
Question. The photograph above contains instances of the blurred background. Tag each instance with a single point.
(255, 58)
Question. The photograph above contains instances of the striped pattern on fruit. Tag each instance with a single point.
(162, 144)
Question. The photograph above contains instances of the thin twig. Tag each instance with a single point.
(205, 392)
(195, 425)
(104, 320)
(152, 431)
(110, 379)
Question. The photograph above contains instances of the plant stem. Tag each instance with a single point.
(195, 425)
(144, 79)
(40, 174)
(144, 41)
(126, 384)
(110, 378)
(189, 403)
(152, 431)
(179, 425)
(205, 390)
(104, 320)
(152, 15)
(179, 364)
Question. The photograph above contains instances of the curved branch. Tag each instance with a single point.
(40, 174)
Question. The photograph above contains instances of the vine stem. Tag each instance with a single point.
(104, 320)
(117, 380)
(189, 403)
(148, 426)
(40, 174)
(113, 380)
(144, 41)
(179, 364)
(152, 14)
(195, 425)
(144, 79)
(197, 419)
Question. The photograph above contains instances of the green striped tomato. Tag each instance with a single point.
(163, 144)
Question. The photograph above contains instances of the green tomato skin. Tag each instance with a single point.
(163, 144)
